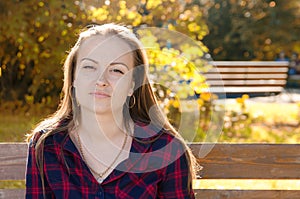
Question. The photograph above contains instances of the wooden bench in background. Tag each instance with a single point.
(255, 78)
(224, 161)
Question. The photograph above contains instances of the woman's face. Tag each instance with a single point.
(103, 78)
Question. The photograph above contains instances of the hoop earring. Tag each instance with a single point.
(128, 104)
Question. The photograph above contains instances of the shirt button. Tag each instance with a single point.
(100, 194)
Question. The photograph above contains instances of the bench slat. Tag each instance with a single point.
(12, 193)
(265, 194)
(249, 161)
(246, 82)
(13, 161)
(248, 70)
(213, 76)
(231, 161)
(248, 89)
(255, 78)
(200, 193)
(251, 63)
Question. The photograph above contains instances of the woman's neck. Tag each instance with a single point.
(100, 127)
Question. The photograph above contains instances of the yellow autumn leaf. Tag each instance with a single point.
(137, 20)
(122, 12)
(153, 3)
(64, 33)
(41, 39)
(205, 96)
(22, 66)
(47, 13)
(200, 102)
(176, 104)
(171, 27)
(45, 54)
(202, 88)
(245, 97)
(239, 100)
(193, 27)
(41, 4)
(83, 16)
(37, 24)
(131, 15)
(119, 18)
(122, 4)
(29, 99)
(19, 40)
(100, 14)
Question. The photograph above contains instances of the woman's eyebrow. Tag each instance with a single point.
(89, 59)
(115, 63)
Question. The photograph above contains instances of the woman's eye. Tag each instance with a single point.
(89, 67)
(115, 70)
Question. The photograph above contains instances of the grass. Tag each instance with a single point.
(255, 122)
(15, 123)
(271, 122)
(13, 128)
(273, 113)
(12, 184)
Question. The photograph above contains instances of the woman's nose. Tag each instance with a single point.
(102, 81)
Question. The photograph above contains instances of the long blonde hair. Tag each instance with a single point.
(64, 118)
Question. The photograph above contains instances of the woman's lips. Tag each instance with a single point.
(99, 94)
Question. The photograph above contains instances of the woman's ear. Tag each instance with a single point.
(75, 83)
(131, 90)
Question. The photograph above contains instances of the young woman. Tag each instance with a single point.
(108, 139)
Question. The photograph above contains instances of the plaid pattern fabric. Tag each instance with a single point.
(153, 170)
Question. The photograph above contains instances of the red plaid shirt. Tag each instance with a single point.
(153, 170)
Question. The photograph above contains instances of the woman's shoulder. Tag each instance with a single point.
(169, 140)
(50, 131)
(161, 139)
(49, 137)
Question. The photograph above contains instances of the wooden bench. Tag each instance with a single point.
(255, 78)
(219, 161)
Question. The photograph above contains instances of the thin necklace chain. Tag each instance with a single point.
(100, 175)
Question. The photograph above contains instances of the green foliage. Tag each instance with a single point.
(36, 35)
(252, 30)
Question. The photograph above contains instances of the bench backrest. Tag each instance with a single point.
(247, 77)
(248, 161)
(223, 161)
